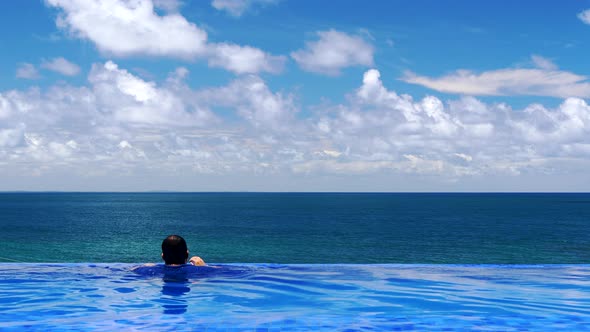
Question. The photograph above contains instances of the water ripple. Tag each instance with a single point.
(295, 297)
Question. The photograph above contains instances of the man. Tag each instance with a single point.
(175, 252)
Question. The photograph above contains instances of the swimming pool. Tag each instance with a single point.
(262, 297)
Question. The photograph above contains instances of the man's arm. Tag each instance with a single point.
(197, 261)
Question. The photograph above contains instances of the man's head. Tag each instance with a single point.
(174, 250)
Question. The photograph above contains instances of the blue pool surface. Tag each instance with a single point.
(263, 297)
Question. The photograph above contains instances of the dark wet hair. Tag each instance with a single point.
(174, 250)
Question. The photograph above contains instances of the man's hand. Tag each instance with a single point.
(197, 261)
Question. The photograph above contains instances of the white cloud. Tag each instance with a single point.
(125, 145)
(12, 137)
(332, 153)
(61, 150)
(334, 51)
(238, 7)
(61, 66)
(5, 109)
(27, 71)
(543, 81)
(568, 124)
(464, 156)
(244, 59)
(132, 100)
(119, 126)
(383, 131)
(585, 16)
(543, 62)
(127, 28)
(254, 101)
(130, 27)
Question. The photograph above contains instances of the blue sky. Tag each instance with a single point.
(284, 95)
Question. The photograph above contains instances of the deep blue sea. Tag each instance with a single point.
(298, 227)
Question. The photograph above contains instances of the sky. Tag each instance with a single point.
(295, 95)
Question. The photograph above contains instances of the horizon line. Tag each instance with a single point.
(281, 192)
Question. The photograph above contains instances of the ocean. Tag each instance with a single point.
(293, 228)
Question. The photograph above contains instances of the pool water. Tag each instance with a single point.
(262, 297)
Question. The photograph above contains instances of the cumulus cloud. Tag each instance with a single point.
(132, 100)
(254, 101)
(66, 126)
(61, 66)
(244, 59)
(27, 71)
(119, 123)
(546, 80)
(130, 27)
(4, 107)
(334, 51)
(585, 16)
(382, 130)
(568, 124)
(127, 28)
(238, 7)
(12, 137)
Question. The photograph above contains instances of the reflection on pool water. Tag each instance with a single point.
(294, 297)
